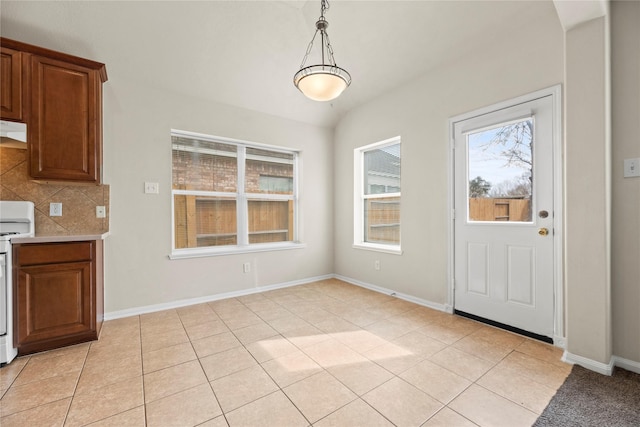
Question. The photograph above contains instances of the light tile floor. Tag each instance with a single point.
(324, 354)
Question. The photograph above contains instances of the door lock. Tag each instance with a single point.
(543, 231)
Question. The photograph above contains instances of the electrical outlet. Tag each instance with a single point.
(376, 264)
(101, 212)
(246, 267)
(55, 209)
(151, 188)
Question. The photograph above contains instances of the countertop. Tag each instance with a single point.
(59, 239)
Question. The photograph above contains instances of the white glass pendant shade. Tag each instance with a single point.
(321, 82)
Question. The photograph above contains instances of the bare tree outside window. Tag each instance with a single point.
(501, 160)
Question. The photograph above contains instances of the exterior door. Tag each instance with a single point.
(503, 226)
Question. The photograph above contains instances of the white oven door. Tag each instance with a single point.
(3, 294)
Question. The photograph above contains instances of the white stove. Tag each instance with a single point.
(16, 220)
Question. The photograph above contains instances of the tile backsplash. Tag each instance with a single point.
(79, 201)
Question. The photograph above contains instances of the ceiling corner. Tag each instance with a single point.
(574, 12)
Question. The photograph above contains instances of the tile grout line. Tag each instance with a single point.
(144, 396)
(325, 370)
(73, 395)
(30, 358)
(280, 389)
(16, 377)
(358, 397)
(223, 414)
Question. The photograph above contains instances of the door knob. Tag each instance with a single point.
(543, 231)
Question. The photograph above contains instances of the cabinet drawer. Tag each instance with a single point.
(51, 253)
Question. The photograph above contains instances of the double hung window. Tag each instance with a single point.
(231, 196)
(377, 196)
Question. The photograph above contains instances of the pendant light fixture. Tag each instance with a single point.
(325, 81)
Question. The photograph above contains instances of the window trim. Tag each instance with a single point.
(359, 197)
(242, 198)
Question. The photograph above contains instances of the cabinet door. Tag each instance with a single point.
(65, 130)
(54, 305)
(10, 84)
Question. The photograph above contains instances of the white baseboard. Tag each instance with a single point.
(593, 365)
(410, 298)
(627, 364)
(602, 368)
(560, 342)
(135, 311)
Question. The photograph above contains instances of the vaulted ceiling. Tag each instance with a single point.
(245, 53)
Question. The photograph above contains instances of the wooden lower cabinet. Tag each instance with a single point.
(58, 297)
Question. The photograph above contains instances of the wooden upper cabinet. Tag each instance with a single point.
(64, 131)
(63, 98)
(10, 84)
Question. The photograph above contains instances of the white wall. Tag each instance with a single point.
(625, 250)
(504, 67)
(138, 117)
(587, 188)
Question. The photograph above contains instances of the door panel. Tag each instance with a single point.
(477, 258)
(521, 283)
(503, 266)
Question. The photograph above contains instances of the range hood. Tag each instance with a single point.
(13, 133)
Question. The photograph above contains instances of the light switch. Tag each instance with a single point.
(631, 167)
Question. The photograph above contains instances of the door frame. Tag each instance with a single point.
(558, 200)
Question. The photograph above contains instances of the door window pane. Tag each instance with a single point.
(500, 172)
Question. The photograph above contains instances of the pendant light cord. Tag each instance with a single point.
(324, 6)
(321, 26)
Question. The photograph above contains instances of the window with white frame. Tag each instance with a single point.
(377, 195)
(231, 196)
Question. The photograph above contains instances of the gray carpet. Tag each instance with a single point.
(587, 398)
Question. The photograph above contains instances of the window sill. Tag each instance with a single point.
(232, 250)
(395, 250)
